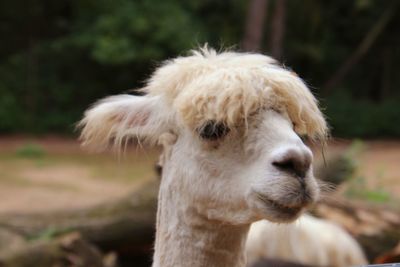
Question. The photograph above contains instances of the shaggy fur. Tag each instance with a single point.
(309, 240)
(212, 189)
(116, 119)
(229, 87)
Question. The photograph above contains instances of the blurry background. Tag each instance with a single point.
(58, 57)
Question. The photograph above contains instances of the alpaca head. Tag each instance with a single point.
(236, 155)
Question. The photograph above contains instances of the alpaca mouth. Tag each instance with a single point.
(279, 207)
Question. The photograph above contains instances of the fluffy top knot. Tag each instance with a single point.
(228, 87)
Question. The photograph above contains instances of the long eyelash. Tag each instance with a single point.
(213, 130)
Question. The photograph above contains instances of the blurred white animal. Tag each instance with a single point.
(309, 240)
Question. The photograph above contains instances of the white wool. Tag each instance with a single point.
(229, 87)
(309, 240)
(116, 119)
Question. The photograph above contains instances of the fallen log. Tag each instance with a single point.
(125, 226)
(376, 228)
(69, 250)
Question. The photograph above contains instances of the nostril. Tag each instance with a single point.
(294, 163)
(291, 167)
(286, 165)
(158, 168)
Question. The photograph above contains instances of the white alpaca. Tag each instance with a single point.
(323, 243)
(237, 157)
(309, 240)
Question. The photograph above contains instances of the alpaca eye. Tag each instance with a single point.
(213, 130)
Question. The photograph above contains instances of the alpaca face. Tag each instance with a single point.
(243, 174)
(236, 118)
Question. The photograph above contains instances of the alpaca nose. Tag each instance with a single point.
(294, 161)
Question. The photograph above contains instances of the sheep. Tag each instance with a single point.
(237, 157)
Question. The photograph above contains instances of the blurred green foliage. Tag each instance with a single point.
(49, 234)
(358, 189)
(30, 150)
(363, 117)
(57, 57)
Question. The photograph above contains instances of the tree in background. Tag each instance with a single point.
(59, 56)
(278, 25)
(256, 16)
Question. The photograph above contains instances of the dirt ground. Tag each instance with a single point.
(62, 176)
(381, 164)
(377, 162)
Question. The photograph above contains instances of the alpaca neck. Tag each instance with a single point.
(186, 238)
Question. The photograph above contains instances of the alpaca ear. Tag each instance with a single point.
(116, 119)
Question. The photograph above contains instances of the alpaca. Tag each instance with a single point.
(237, 157)
(270, 244)
(323, 243)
